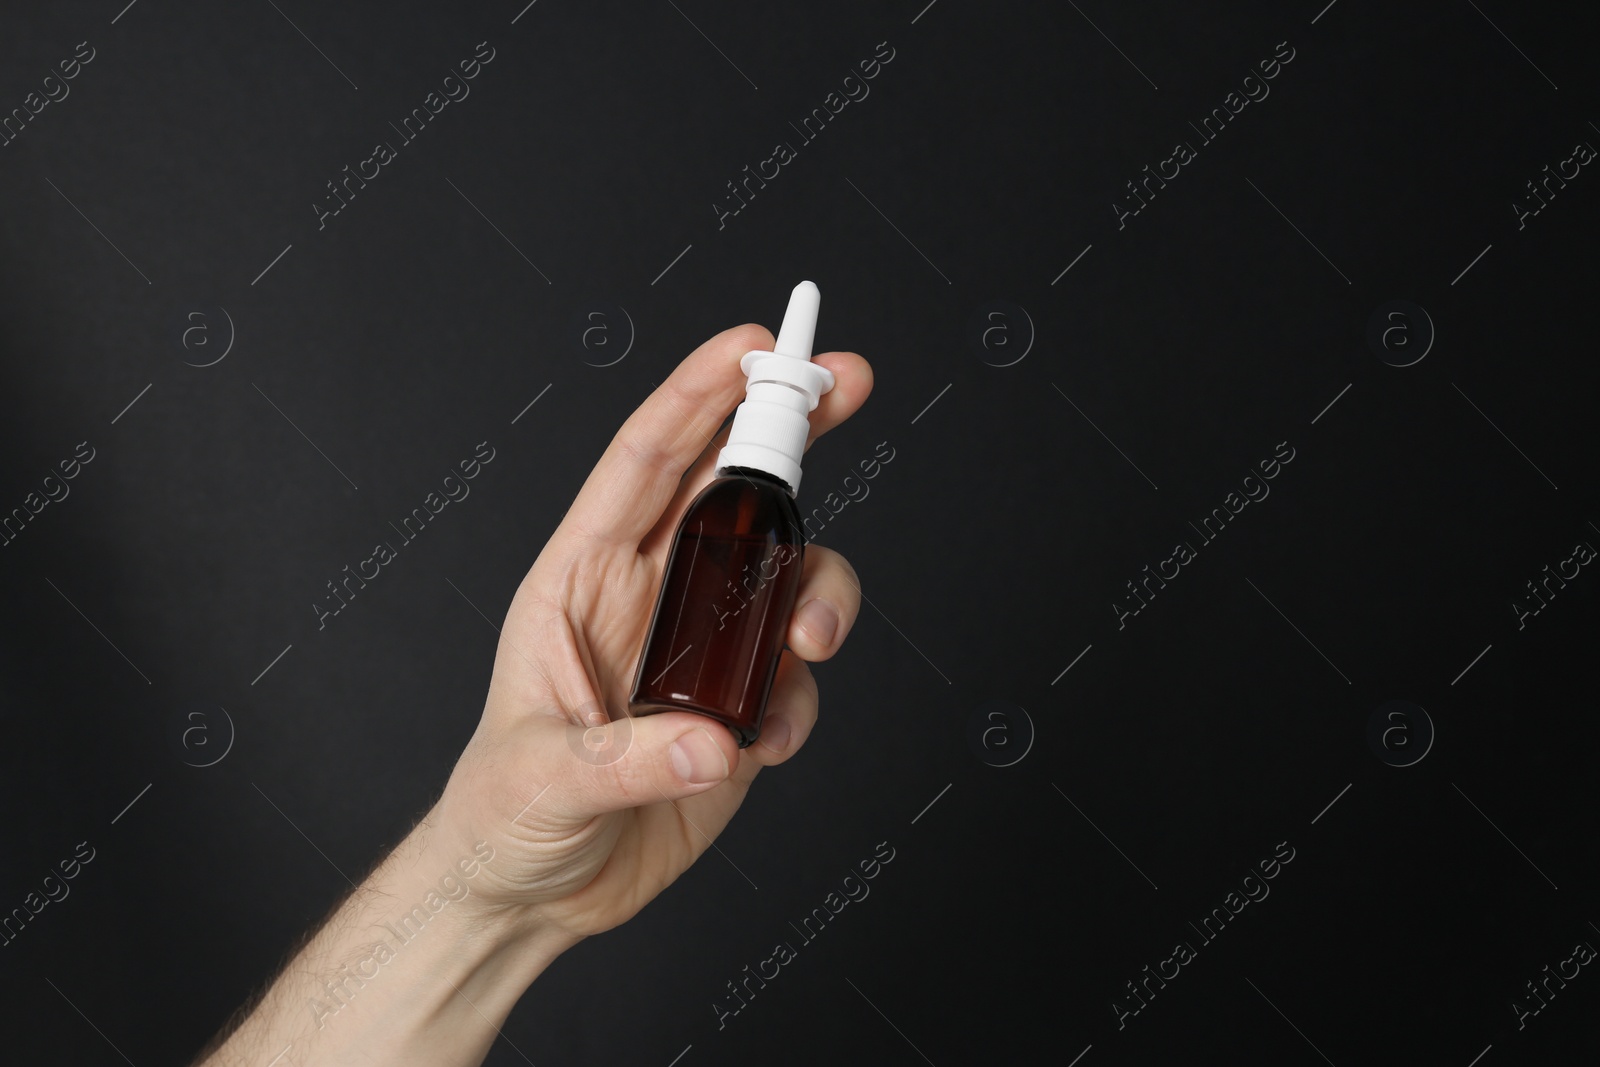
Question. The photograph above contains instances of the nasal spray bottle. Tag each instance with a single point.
(734, 570)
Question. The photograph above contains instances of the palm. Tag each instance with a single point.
(588, 632)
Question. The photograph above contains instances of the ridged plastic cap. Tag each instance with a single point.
(782, 387)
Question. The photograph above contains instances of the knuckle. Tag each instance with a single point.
(752, 336)
(647, 453)
(841, 568)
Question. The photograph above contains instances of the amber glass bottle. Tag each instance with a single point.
(733, 571)
(724, 608)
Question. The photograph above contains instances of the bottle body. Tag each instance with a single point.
(726, 598)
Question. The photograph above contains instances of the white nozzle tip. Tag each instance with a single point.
(799, 322)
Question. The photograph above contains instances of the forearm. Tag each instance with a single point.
(410, 969)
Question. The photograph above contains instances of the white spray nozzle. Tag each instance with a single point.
(799, 322)
(770, 428)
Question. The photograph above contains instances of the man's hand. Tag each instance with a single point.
(591, 813)
(564, 816)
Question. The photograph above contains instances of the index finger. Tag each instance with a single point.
(626, 493)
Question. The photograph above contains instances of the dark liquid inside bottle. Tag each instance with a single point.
(726, 598)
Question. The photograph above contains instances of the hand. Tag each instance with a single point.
(590, 818)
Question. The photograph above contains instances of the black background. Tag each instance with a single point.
(1221, 320)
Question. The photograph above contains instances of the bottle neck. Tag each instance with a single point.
(755, 474)
(770, 428)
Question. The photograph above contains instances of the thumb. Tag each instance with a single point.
(636, 760)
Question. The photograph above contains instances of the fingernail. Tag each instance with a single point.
(819, 620)
(775, 734)
(697, 759)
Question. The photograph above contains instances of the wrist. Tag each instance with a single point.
(456, 963)
(449, 876)
(410, 968)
